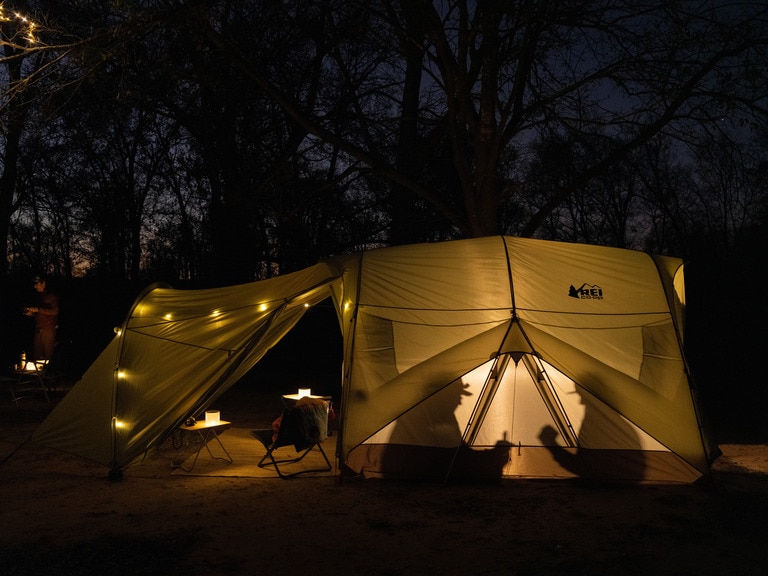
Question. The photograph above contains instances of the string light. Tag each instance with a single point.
(26, 25)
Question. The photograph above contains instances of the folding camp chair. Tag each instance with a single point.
(303, 426)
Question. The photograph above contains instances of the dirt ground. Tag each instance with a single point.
(61, 515)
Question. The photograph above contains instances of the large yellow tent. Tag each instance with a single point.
(496, 356)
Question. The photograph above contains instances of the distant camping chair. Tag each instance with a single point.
(38, 376)
(303, 426)
(28, 381)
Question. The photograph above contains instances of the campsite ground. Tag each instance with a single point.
(62, 515)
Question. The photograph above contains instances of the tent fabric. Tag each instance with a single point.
(418, 318)
(495, 356)
(177, 352)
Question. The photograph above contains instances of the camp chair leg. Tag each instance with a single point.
(274, 462)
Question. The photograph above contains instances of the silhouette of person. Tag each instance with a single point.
(46, 317)
(428, 442)
(607, 447)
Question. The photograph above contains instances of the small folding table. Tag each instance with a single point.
(207, 432)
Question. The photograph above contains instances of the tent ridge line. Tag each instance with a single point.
(663, 312)
(455, 325)
(512, 302)
(434, 309)
(585, 328)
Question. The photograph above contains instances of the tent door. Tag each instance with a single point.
(543, 384)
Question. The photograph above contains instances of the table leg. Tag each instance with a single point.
(212, 435)
(204, 439)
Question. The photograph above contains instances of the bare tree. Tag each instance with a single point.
(32, 54)
(18, 64)
(432, 108)
(495, 74)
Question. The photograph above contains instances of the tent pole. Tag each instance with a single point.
(550, 399)
(348, 360)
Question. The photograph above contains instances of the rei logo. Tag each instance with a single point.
(586, 292)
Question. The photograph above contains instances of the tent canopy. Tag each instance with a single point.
(499, 355)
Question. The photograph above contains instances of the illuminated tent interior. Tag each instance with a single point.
(490, 357)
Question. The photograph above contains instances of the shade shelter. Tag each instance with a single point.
(175, 354)
(496, 356)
